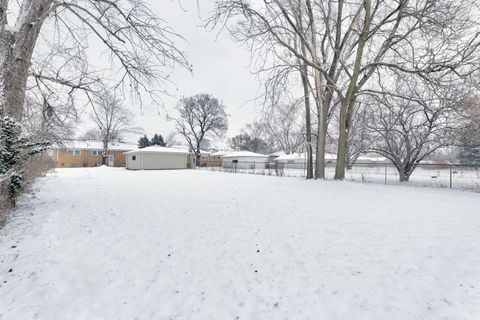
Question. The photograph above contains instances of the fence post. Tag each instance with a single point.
(235, 170)
(385, 173)
(254, 167)
(450, 177)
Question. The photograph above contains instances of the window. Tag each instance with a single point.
(73, 152)
(134, 158)
(97, 152)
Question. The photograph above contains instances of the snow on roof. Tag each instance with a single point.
(442, 162)
(330, 156)
(157, 149)
(95, 145)
(277, 154)
(188, 148)
(220, 153)
(238, 154)
(371, 159)
(294, 156)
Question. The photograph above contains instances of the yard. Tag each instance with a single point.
(107, 243)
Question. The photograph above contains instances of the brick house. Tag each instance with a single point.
(77, 153)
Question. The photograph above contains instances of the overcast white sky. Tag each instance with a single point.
(220, 67)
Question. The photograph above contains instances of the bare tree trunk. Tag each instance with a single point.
(322, 132)
(401, 174)
(308, 125)
(197, 156)
(321, 108)
(16, 49)
(105, 152)
(348, 102)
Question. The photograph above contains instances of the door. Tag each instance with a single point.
(111, 160)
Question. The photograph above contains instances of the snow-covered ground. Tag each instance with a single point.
(107, 243)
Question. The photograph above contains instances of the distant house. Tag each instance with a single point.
(157, 158)
(244, 160)
(371, 159)
(330, 158)
(292, 161)
(215, 158)
(204, 155)
(274, 155)
(435, 164)
(77, 153)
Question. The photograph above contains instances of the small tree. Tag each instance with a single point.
(112, 119)
(201, 117)
(247, 142)
(143, 142)
(157, 140)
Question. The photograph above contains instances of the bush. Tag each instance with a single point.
(16, 149)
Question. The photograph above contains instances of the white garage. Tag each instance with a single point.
(244, 160)
(156, 158)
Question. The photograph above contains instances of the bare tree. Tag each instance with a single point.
(92, 134)
(245, 141)
(253, 137)
(348, 42)
(411, 120)
(469, 137)
(200, 118)
(140, 44)
(113, 120)
(284, 127)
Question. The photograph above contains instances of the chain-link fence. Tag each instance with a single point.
(455, 176)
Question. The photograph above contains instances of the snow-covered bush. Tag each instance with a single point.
(16, 148)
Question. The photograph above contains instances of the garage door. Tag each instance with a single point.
(164, 161)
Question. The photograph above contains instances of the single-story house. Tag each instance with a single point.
(274, 155)
(244, 160)
(215, 158)
(155, 158)
(292, 161)
(78, 153)
(371, 159)
(204, 155)
(435, 164)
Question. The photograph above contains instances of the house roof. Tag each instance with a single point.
(239, 154)
(277, 154)
(95, 145)
(157, 149)
(220, 153)
(188, 148)
(370, 158)
(294, 156)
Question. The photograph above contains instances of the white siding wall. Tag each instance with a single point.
(164, 161)
(245, 162)
(134, 164)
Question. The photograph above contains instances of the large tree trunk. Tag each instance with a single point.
(348, 102)
(16, 48)
(322, 135)
(308, 125)
(321, 107)
(401, 174)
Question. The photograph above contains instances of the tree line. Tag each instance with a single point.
(384, 76)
